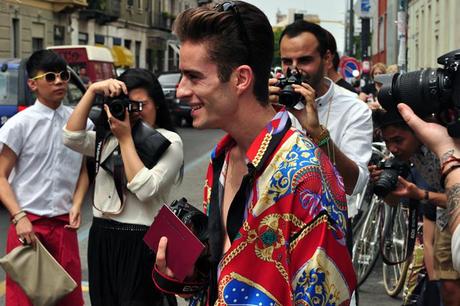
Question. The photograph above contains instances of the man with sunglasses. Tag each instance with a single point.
(45, 191)
(276, 206)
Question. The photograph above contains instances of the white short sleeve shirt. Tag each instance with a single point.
(46, 172)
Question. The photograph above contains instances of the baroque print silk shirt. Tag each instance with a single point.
(291, 247)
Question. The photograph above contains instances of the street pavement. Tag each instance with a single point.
(197, 146)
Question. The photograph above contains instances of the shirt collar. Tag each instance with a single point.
(276, 124)
(48, 112)
(326, 98)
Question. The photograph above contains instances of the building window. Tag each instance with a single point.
(139, 5)
(82, 38)
(128, 44)
(138, 53)
(38, 36)
(116, 41)
(59, 35)
(15, 35)
(37, 43)
(99, 39)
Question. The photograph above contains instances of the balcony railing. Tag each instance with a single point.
(103, 11)
(59, 5)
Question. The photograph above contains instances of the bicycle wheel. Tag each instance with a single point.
(367, 244)
(395, 244)
(363, 202)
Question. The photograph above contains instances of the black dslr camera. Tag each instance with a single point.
(117, 106)
(428, 91)
(197, 222)
(392, 168)
(288, 96)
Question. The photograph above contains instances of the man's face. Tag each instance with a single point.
(402, 143)
(301, 52)
(213, 102)
(51, 92)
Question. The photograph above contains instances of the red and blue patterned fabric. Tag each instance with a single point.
(291, 248)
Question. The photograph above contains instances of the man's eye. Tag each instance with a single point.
(286, 62)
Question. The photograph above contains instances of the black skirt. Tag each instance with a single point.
(120, 266)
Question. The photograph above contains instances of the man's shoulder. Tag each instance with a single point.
(350, 101)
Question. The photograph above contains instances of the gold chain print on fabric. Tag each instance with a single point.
(263, 147)
(270, 235)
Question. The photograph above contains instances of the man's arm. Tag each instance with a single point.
(308, 118)
(409, 190)
(436, 138)
(24, 228)
(110, 87)
(78, 197)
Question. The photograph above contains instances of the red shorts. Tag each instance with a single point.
(62, 243)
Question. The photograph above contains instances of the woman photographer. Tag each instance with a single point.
(129, 188)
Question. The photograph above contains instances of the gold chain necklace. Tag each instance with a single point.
(331, 156)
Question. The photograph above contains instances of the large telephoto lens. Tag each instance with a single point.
(422, 90)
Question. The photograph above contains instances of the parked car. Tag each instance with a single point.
(15, 94)
(180, 110)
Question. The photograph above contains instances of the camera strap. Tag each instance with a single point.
(411, 235)
(173, 286)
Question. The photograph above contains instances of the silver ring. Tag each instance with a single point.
(21, 240)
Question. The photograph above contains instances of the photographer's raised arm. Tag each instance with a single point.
(436, 138)
(110, 87)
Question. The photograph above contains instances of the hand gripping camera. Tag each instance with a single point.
(288, 96)
(117, 106)
(197, 222)
(428, 91)
(392, 168)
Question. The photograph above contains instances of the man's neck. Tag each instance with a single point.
(248, 122)
(51, 104)
(323, 88)
(334, 76)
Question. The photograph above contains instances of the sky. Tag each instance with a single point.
(326, 10)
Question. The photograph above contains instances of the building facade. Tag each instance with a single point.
(137, 31)
(431, 31)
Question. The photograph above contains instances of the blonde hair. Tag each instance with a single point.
(379, 66)
(393, 68)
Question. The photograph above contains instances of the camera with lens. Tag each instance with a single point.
(392, 168)
(428, 91)
(117, 105)
(287, 95)
(197, 222)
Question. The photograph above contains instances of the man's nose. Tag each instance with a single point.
(182, 90)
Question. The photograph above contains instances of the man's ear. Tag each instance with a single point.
(328, 56)
(243, 77)
(32, 84)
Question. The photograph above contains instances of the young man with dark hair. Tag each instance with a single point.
(403, 143)
(276, 206)
(45, 191)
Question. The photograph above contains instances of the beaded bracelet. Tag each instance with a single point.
(448, 161)
(324, 141)
(18, 216)
(322, 138)
(445, 174)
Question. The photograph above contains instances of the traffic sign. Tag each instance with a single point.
(347, 66)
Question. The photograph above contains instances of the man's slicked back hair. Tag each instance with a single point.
(223, 38)
(301, 26)
(46, 61)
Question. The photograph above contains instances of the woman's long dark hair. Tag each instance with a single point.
(142, 78)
